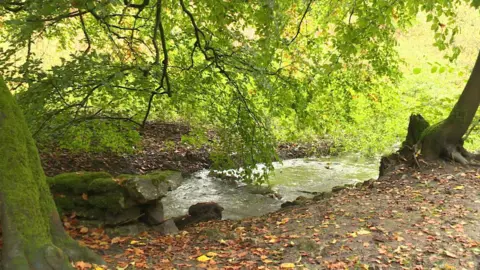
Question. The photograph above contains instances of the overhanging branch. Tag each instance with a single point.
(299, 27)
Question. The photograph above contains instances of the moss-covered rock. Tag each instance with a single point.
(173, 178)
(113, 202)
(76, 182)
(65, 203)
(126, 216)
(103, 185)
(90, 213)
(153, 186)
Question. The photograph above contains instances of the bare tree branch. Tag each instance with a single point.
(299, 27)
(137, 6)
(59, 17)
(87, 37)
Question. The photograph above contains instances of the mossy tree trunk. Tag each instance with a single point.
(33, 235)
(444, 139)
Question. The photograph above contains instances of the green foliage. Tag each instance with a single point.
(196, 138)
(255, 72)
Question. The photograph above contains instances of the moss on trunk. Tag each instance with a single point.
(444, 139)
(32, 231)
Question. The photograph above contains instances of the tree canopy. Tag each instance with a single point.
(255, 71)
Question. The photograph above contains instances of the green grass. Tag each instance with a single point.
(434, 94)
(416, 48)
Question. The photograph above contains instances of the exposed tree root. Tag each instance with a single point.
(453, 153)
(70, 247)
(56, 253)
(431, 141)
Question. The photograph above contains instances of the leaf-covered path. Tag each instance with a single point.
(408, 219)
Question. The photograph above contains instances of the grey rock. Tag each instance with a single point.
(199, 212)
(322, 196)
(126, 216)
(175, 179)
(126, 230)
(166, 227)
(142, 189)
(338, 188)
(209, 210)
(153, 186)
(299, 201)
(154, 213)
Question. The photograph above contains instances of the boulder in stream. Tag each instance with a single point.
(200, 212)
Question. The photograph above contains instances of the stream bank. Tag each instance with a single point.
(161, 149)
(408, 219)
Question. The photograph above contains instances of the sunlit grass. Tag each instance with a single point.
(434, 94)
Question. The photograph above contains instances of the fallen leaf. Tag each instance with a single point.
(203, 258)
(450, 254)
(211, 254)
(284, 221)
(287, 265)
(363, 232)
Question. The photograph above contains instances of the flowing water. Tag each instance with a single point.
(289, 179)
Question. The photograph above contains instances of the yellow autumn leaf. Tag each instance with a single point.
(203, 258)
(363, 232)
(458, 187)
(274, 239)
(284, 221)
(211, 254)
(287, 265)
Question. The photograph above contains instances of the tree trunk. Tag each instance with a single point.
(407, 153)
(33, 235)
(444, 139)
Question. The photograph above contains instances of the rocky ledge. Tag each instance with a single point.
(113, 201)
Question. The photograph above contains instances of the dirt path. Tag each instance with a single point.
(406, 220)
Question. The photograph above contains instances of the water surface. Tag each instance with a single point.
(289, 179)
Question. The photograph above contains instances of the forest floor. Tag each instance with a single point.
(408, 219)
(161, 148)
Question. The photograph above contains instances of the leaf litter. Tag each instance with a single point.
(408, 219)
